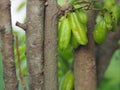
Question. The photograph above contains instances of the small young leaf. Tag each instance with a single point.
(20, 6)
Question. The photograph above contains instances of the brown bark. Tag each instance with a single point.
(50, 46)
(84, 63)
(9, 71)
(34, 40)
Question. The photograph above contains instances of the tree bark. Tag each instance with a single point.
(50, 46)
(84, 63)
(34, 41)
(9, 71)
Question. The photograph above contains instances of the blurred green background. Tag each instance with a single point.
(110, 81)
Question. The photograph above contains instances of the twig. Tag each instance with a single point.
(19, 68)
(86, 7)
(23, 26)
(73, 9)
(95, 9)
(2, 29)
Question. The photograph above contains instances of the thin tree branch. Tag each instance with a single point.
(2, 29)
(23, 26)
(19, 68)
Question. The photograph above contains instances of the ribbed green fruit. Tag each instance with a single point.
(67, 82)
(100, 32)
(64, 33)
(82, 15)
(109, 3)
(78, 29)
(108, 20)
(74, 42)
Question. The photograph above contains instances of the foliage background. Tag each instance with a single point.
(110, 81)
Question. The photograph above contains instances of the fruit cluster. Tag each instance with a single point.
(72, 28)
(106, 20)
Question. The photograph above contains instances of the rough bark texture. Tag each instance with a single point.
(9, 72)
(50, 46)
(84, 63)
(34, 39)
(106, 51)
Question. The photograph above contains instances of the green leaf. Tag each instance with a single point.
(114, 67)
(21, 6)
(62, 2)
(98, 5)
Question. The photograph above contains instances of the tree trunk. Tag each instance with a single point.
(34, 40)
(50, 46)
(9, 71)
(84, 63)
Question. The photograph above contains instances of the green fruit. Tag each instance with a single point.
(74, 42)
(82, 15)
(78, 29)
(100, 32)
(99, 18)
(67, 82)
(64, 33)
(108, 20)
(108, 4)
(116, 12)
(60, 20)
(76, 6)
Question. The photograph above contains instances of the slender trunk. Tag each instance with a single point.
(34, 40)
(9, 71)
(84, 63)
(50, 46)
